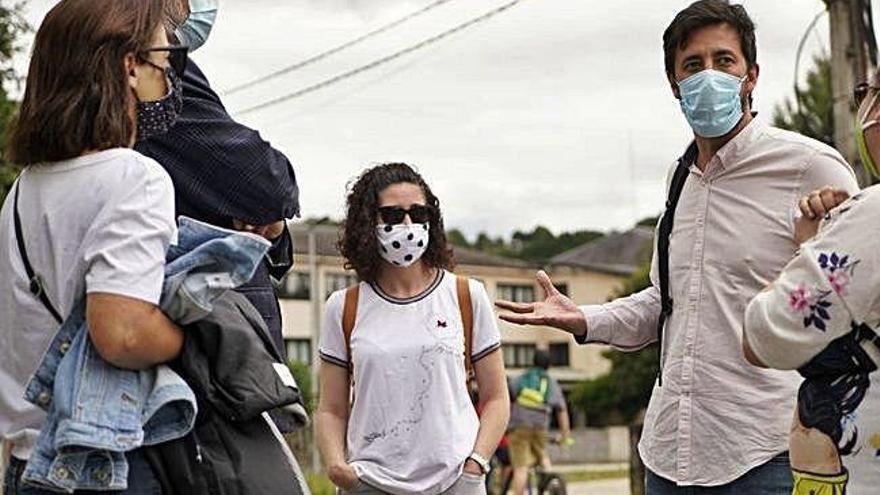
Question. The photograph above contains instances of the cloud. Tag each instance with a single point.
(556, 112)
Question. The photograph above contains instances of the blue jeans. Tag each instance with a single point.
(141, 480)
(772, 478)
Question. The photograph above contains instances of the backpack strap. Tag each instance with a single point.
(349, 318)
(545, 386)
(36, 285)
(682, 171)
(466, 308)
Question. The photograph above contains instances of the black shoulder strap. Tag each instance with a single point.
(36, 282)
(682, 170)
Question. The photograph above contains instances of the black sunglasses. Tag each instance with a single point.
(177, 57)
(394, 215)
(860, 92)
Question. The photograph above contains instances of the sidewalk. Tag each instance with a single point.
(591, 468)
(618, 486)
(615, 484)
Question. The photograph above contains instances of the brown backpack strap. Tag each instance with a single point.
(349, 317)
(467, 319)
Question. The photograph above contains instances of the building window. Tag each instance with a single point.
(516, 293)
(296, 285)
(559, 354)
(338, 281)
(518, 355)
(299, 350)
(562, 288)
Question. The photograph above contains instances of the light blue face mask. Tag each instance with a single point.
(194, 32)
(711, 102)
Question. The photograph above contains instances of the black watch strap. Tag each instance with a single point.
(481, 461)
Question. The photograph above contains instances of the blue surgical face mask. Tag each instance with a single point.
(711, 102)
(194, 32)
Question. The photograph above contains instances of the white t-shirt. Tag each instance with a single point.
(833, 281)
(98, 223)
(412, 424)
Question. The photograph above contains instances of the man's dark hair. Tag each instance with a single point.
(704, 13)
(541, 359)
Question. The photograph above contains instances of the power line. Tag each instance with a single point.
(336, 49)
(382, 61)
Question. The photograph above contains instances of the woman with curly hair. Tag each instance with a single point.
(397, 349)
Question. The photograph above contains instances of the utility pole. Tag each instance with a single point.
(315, 300)
(849, 66)
(314, 304)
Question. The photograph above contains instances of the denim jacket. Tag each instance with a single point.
(97, 412)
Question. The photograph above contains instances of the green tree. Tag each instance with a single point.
(816, 116)
(457, 238)
(541, 244)
(303, 377)
(322, 221)
(648, 222)
(12, 27)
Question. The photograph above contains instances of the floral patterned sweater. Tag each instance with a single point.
(832, 283)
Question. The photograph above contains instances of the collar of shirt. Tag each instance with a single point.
(731, 155)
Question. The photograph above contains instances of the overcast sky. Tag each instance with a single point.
(556, 112)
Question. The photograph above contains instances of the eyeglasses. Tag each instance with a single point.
(394, 215)
(860, 92)
(177, 57)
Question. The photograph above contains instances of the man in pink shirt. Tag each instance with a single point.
(715, 424)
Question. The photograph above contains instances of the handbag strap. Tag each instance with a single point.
(35, 281)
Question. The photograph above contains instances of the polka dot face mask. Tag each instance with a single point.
(402, 244)
(155, 118)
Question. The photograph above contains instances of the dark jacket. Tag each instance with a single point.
(223, 170)
(231, 365)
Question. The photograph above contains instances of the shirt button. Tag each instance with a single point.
(100, 476)
(44, 398)
(64, 348)
(62, 473)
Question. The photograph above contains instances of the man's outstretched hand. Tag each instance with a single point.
(556, 310)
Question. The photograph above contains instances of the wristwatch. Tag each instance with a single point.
(481, 461)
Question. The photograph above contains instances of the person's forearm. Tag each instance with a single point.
(158, 340)
(812, 451)
(7, 452)
(493, 423)
(564, 422)
(627, 324)
(330, 429)
(133, 337)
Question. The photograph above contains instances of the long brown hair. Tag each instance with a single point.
(359, 245)
(77, 96)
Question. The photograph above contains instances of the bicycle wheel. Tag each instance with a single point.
(552, 484)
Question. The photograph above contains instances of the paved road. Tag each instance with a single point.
(619, 486)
